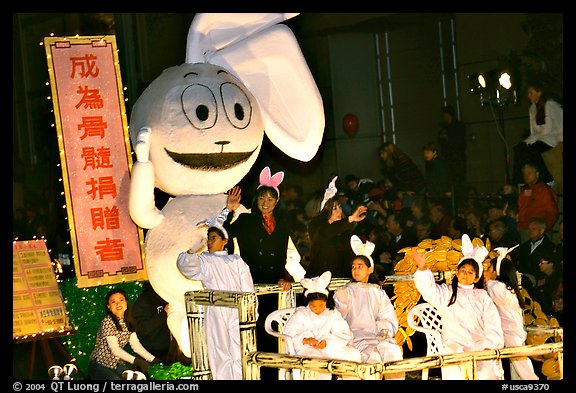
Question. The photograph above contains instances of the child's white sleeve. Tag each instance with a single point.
(190, 265)
(435, 294)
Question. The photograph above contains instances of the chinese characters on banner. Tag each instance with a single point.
(37, 304)
(95, 155)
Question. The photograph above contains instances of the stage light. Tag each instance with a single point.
(495, 87)
(482, 81)
(505, 80)
(476, 82)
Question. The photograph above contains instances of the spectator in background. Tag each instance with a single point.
(500, 235)
(418, 211)
(437, 175)
(356, 191)
(549, 291)
(457, 227)
(440, 220)
(475, 223)
(537, 199)
(405, 176)
(496, 211)
(424, 229)
(400, 236)
(528, 255)
(512, 212)
(291, 198)
(546, 132)
(382, 263)
(471, 200)
(509, 194)
(452, 142)
(560, 244)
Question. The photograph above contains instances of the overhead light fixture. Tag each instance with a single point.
(505, 80)
(482, 81)
(495, 86)
(476, 82)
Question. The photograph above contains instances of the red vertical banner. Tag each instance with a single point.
(94, 148)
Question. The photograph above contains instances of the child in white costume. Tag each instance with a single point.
(470, 320)
(502, 286)
(318, 331)
(368, 310)
(219, 270)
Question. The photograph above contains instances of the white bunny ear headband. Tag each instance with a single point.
(502, 252)
(365, 249)
(266, 57)
(476, 253)
(317, 284)
(329, 193)
(217, 221)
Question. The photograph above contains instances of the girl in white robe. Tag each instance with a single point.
(219, 270)
(318, 331)
(368, 310)
(470, 320)
(502, 286)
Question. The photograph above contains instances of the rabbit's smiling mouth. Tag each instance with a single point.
(209, 161)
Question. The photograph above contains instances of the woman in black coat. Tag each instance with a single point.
(330, 232)
(264, 243)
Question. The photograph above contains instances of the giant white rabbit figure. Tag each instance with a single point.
(198, 128)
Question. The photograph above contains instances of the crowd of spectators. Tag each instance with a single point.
(402, 218)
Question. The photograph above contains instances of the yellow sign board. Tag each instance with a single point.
(37, 304)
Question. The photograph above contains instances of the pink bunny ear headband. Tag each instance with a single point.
(476, 253)
(317, 284)
(360, 248)
(329, 193)
(502, 252)
(269, 180)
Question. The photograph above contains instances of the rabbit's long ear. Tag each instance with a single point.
(467, 246)
(211, 32)
(266, 57)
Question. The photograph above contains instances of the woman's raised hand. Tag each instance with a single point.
(233, 200)
(359, 214)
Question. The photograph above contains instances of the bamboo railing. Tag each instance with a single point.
(253, 360)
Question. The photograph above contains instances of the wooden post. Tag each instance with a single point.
(247, 315)
(199, 348)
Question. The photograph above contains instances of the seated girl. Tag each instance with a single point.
(368, 310)
(319, 331)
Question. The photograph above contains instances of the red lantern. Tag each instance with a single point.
(350, 124)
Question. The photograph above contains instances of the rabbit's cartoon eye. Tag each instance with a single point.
(199, 106)
(237, 105)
